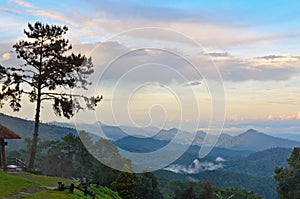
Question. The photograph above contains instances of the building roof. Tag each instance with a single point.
(7, 133)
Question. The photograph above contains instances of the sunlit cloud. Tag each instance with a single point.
(298, 116)
(5, 56)
(23, 3)
(275, 61)
(281, 117)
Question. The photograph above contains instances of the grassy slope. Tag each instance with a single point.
(12, 184)
(44, 180)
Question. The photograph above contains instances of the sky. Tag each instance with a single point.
(247, 54)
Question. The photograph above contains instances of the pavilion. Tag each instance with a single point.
(5, 133)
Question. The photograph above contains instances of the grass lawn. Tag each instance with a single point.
(10, 184)
(48, 181)
(57, 194)
(14, 186)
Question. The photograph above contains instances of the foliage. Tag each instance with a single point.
(235, 193)
(180, 189)
(46, 73)
(265, 187)
(220, 196)
(187, 193)
(146, 186)
(207, 190)
(124, 184)
(288, 178)
(69, 157)
(104, 192)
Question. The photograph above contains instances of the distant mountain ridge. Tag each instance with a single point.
(251, 140)
(255, 141)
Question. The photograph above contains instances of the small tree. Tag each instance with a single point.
(207, 190)
(289, 178)
(47, 74)
(188, 193)
(124, 184)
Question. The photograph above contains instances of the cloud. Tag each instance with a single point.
(99, 23)
(24, 3)
(278, 68)
(5, 56)
(274, 61)
(218, 54)
(233, 69)
(270, 57)
(195, 167)
(196, 83)
(298, 116)
(281, 117)
(220, 159)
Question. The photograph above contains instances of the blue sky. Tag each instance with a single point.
(254, 44)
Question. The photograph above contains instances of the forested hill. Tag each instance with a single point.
(25, 129)
(261, 163)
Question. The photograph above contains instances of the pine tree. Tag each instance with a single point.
(48, 73)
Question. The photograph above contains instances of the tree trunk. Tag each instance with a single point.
(3, 156)
(36, 130)
(37, 111)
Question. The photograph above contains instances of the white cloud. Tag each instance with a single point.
(220, 159)
(195, 167)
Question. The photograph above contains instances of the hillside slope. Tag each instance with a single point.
(23, 185)
(261, 163)
(25, 129)
(266, 187)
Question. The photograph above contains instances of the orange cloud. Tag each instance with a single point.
(283, 117)
(5, 57)
(298, 116)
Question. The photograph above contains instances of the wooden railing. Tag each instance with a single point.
(15, 161)
(71, 187)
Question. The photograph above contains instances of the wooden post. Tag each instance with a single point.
(72, 188)
(3, 161)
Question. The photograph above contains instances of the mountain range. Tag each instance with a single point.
(251, 140)
(246, 160)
